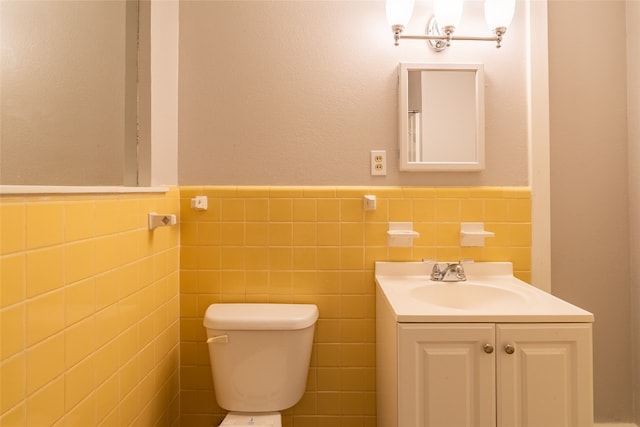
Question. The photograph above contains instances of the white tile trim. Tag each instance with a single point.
(61, 189)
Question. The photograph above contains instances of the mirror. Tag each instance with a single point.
(68, 92)
(441, 119)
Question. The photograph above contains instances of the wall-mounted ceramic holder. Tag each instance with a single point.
(473, 234)
(161, 220)
(200, 203)
(369, 202)
(401, 234)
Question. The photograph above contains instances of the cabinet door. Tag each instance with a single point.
(446, 375)
(545, 376)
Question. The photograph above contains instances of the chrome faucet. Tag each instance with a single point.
(452, 272)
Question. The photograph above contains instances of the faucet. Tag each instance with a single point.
(453, 272)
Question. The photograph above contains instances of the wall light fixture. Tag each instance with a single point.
(446, 18)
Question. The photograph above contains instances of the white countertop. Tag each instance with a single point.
(398, 283)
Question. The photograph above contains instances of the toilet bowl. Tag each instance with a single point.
(260, 356)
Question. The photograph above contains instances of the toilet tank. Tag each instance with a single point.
(259, 354)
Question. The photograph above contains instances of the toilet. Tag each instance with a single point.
(260, 356)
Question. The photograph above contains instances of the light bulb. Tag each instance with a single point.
(447, 12)
(399, 12)
(499, 13)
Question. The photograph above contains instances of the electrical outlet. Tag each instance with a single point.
(378, 162)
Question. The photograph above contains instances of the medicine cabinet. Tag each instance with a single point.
(441, 117)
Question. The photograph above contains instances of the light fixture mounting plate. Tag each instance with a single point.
(432, 29)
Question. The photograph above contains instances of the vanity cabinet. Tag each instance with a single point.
(491, 351)
(488, 374)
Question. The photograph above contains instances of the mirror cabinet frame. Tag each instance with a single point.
(477, 162)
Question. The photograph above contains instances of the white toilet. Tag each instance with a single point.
(260, 357)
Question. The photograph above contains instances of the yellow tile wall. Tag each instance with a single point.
(317, 245)
(89, 311)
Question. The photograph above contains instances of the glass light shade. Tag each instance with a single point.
(499, 13)
(447, 12)
(399, 12)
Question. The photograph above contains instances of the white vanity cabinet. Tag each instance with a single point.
(489, 374)
(489, 351)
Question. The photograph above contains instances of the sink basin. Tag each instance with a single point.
(465, 295)
(491, 294)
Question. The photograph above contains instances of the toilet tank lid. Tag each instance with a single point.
(260, 317)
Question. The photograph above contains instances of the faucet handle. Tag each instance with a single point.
(459, 271)
(436, 273)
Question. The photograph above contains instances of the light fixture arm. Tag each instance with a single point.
(438, 41)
